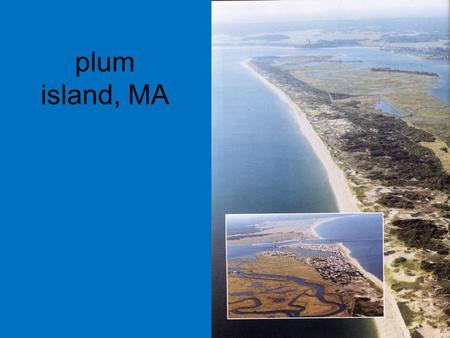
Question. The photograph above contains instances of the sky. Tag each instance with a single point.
(290, 10)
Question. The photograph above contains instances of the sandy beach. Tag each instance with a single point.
(345, 200)
(392, 325)
(353, 261)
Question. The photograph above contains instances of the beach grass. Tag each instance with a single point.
(407, 314)
(402, 285)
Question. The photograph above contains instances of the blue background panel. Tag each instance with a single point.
(105, 213)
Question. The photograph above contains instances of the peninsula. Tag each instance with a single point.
(290, 275)
(387, 165)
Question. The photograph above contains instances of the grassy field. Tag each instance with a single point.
(439, 148)
(407, 92)
(275, 294)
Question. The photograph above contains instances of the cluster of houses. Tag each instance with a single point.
(279, 253)
(334, 268)
(316, 247)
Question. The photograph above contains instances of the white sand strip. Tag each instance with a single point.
(343, 196)
(374, 279)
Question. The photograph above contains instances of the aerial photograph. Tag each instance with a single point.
(323, 107)
(305, 265)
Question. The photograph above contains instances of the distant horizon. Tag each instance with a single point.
(337, 19)
(253, 12)
(382, 24)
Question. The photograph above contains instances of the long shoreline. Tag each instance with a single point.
(343, 196)
(345, 200)
(368, 275)
(392, 325)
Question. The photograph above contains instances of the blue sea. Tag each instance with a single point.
(362, 235)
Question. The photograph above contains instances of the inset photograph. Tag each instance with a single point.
(304, 265)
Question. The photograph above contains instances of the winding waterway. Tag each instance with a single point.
(319, 292)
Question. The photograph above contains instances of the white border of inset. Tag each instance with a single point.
(308, 213)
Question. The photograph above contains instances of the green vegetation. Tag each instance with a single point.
(441, 206)
(408, 264)
(412, 264)
(384, 147)
(360, 192)
(406, 312)
(407, 285)
(398, 261)
(419, 233)
(406, 91)
(441, 269)
(416, 334)
(438, 148)
(391, 70)
(395, 201)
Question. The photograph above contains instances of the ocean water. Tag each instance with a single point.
(362, 235)
(261, 164)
